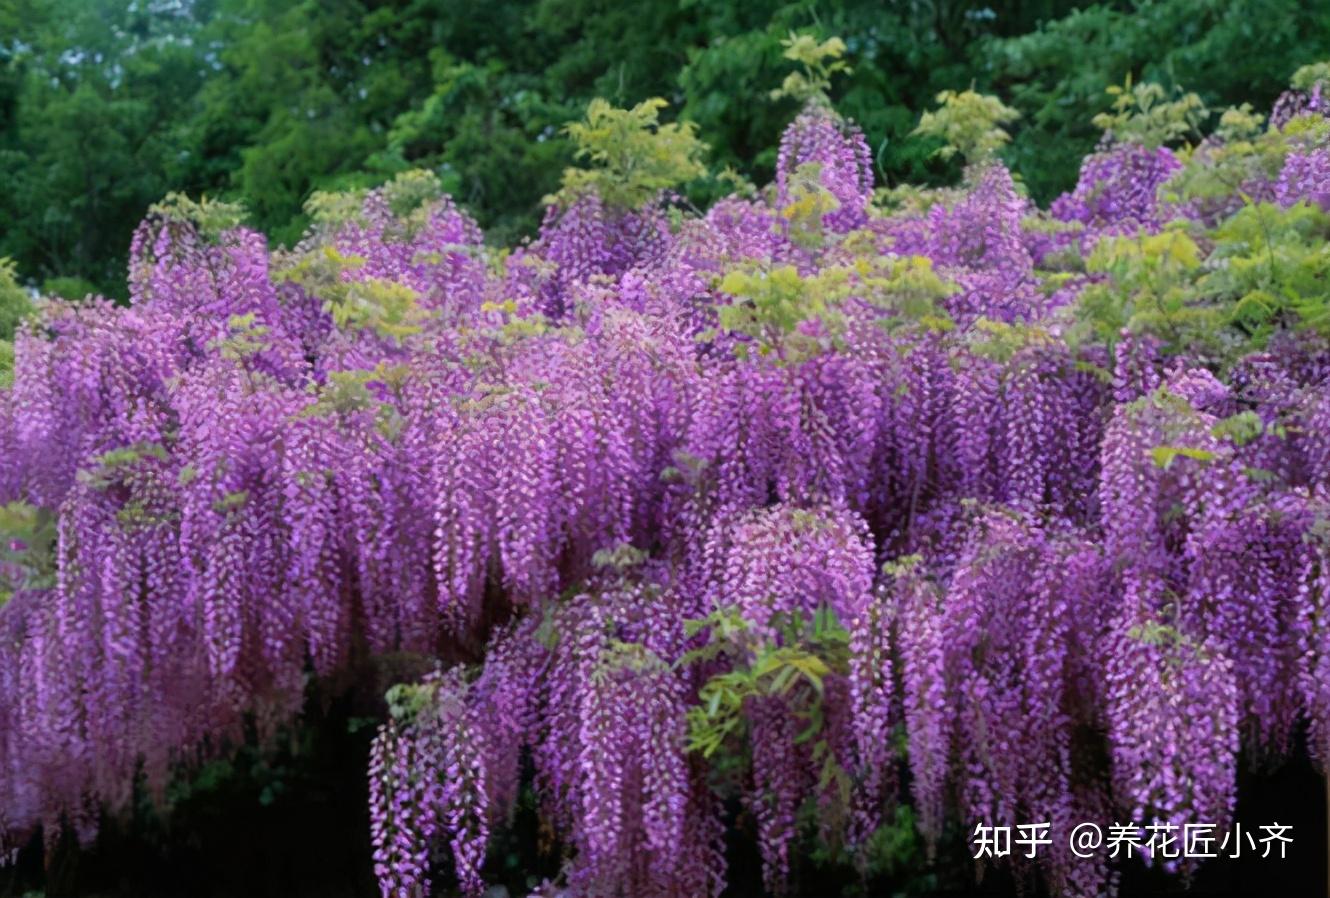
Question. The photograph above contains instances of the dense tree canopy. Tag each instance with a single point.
(105, 105)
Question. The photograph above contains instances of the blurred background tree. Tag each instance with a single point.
(107, 105)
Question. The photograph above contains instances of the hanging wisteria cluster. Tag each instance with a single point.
(924, 497)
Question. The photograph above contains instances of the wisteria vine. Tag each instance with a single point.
(814, 475)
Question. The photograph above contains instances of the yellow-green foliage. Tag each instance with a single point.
(1239, 123)
(6, 364)
(796, 667)
(1246, 154)
(409, 194)
(1002, 341)
(108, 468)
(968, 123)
(68, 288)
(333, 208)
(819, 61)
(907, 287)
(412, 191)
(1144, 114)
(27, 548)
(349, 391)
(905, 199)
(245, 338)
(209, 217)
(1270, 266)
(515, 327)
(1309, 76)
(385, 307)
(15, 305)
(376, 304)
(1151, 289)
(809, 202)
(633, 156)
(771, 303)
(1266, 269)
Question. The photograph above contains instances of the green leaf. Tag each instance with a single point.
(1164, 456)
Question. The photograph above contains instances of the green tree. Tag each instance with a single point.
(1230, 52)
(106, 106)
(92, 94)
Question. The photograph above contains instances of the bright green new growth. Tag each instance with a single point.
(1164, 456)
(1271, 265)
(1267, 270)
(1245, 154)
(209, 217)
(633, 156)
(412, 191)
(1309, 77)
(14, 302)
(969, 123)
(15, 306)
(333, 208)
(810, 202)
(808, 651)
(381, 306)
(409, 195)
(71, 288)
(819, 61)
(406, 701)
(27, 548)
(1002, 341)
(6, 364)
(1239, 429)
(346, 392)
(1144, 114)
(621, 557)
(246, 337)
(1239, 123)
(1152, 290)
(908, 288)
(771, 304)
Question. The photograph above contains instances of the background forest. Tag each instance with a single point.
(107, 105)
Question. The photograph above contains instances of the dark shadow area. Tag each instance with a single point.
(294, 824)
